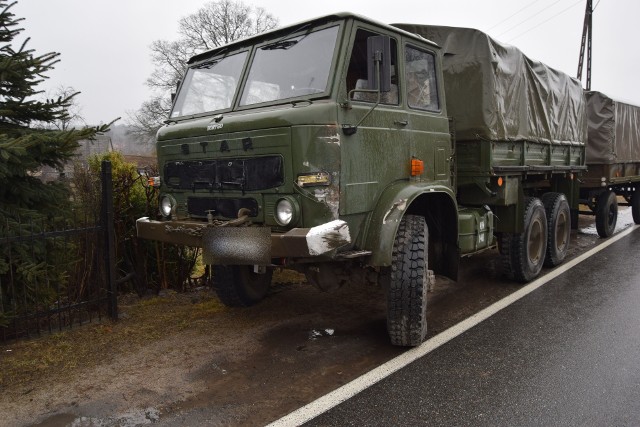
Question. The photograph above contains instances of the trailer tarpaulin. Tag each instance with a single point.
(614, 130)
(495, 92)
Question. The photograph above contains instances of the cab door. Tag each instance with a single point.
(377, 153)
(427, 120)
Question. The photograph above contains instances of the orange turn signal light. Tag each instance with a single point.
(500, 181)
(153, 181)
(417, 167)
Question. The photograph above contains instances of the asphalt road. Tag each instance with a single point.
(566, 354)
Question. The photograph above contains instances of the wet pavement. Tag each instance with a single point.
(566, 354)
(300, 344)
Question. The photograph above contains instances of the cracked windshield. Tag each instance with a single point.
(209, 86)
(289, 68)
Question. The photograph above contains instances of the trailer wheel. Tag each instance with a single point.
(558, 228)
(635, 205)
(407, 293)
(523, 253)
(239, 286)
(606, 213)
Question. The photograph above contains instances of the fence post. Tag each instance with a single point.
(109, 240)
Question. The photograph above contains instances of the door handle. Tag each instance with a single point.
(401, 122)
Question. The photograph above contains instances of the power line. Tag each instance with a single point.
(545, 21)
(514, 14)
(529, 18)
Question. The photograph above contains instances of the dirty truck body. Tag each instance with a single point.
(353, 150)
(613, 160)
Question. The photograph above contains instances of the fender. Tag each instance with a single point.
(413, 197)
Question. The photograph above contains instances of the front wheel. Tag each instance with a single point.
(239, 286)
(407, 293)
(523, 253)
(606, 213)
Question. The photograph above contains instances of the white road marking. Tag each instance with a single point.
(330, 400)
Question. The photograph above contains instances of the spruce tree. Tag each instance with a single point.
(27, 144)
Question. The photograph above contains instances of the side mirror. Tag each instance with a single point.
(379, 63)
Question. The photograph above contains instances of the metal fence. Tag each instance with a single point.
(58, 275)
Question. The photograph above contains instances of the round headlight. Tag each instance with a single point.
(166, 205)
(284, 212)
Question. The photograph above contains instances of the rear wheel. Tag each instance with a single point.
(239, 286)
(558, 228)
(407, 293)
(635, 205)
(606, 213)
(523, 253)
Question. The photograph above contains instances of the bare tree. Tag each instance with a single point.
(215, 24)
(69, 118)
(144, 123)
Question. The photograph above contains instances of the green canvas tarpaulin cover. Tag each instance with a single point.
(614, 130)
(495, 92)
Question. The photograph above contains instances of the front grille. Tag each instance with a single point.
(198, 206)
(249, 174)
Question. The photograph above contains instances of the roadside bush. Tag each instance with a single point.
(32, 270)
(144, 266)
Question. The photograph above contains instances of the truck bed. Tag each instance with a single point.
(613, 145)
(486, 158)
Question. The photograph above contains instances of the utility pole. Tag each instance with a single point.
(587, 31)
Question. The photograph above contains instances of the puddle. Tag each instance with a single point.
(625, 220)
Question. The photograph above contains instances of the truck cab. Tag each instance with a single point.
(308, 137)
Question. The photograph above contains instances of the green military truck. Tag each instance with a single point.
(352, 150)
(613, 161)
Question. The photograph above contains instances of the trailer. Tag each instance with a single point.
(613, 161)
(352, 150)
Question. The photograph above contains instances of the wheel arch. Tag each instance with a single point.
(437, 205)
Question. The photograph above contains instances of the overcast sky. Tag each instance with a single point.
(105, 43)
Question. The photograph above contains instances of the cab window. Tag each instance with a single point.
(420, 70)
(357, 71)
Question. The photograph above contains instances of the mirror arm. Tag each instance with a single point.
(351, 129)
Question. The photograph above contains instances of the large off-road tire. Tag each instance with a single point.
(606, 213)
(635, 205)
(523, 253)
(558, 228)
(239, 286)
(407, 293)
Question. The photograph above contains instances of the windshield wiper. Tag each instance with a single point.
(207, 64)
(283, 44)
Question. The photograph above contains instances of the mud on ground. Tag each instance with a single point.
(185, 359)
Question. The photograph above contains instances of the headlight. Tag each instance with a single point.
(167, 203)
(286, 212)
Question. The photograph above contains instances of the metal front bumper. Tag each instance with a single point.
(247, 245)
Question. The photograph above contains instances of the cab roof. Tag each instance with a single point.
(293, 28)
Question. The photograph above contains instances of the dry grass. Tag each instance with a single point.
(28, 364)
(143, 321)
